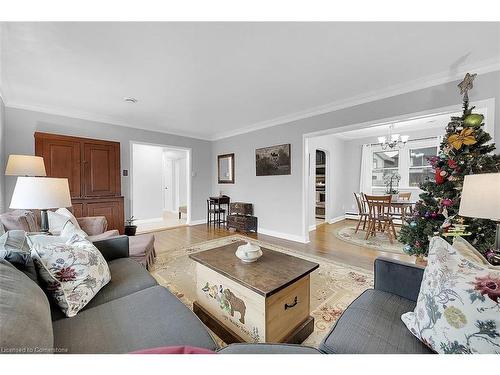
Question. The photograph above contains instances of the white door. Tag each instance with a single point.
(168, 185)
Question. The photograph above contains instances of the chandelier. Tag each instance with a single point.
(393, 141)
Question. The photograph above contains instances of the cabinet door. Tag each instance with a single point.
(77, 209)
(101, 169)
(112, 210)
(62, 159)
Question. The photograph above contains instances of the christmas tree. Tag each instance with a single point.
(465, 149)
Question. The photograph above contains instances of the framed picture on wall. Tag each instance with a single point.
(273, 160)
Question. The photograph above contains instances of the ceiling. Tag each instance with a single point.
(211, 80)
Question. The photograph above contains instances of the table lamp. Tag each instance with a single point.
(41, 193)
(25, 165)
(481, 199)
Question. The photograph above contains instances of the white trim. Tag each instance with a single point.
(146, 221)
(285, 236)
(482, 67)
(111, 120)
(336, 219)
(197, 222)
(399, 89)
(312, 227)
(489, 119)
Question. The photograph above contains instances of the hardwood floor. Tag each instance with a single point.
(322, 243)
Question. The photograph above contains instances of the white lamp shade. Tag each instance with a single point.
(481, 196)
(41, 193)
(25, 165)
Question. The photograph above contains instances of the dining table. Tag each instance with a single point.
(403, 205)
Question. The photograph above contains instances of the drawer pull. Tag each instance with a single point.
(295, 301)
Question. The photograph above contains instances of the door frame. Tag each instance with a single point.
(189, 166)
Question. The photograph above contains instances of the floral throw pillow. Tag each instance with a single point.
(458, 308)
(73, 272)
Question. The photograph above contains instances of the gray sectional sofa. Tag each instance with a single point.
(372, 323)
(133, 312)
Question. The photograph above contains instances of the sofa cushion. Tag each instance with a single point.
(103, 236)
(24, 314)
(56, 222)
(72, 272)
(372, 325)
(14, 248)
(127, 277)
(267, 349)
(19, 220)
(174, 350)
(150, 318)
(458, 307)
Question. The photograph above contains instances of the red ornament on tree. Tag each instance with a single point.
(439, 176)
(452, 164)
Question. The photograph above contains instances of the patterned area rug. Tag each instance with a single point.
(333, 286)
(378, 242)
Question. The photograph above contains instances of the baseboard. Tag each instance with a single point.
(197, 222)
(145, 221)
(312, 227)
(336, 219)
(285, 236)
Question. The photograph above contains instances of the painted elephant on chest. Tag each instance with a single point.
(236, 304)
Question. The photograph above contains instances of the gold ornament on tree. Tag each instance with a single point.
(465, 137)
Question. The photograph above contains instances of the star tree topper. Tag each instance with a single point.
(466, 84)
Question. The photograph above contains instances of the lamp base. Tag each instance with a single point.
(497, 238)
(44, 222)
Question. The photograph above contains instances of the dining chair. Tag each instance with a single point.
(405, 196)
(217, 206)
(380, 216)
(362, 210)
(402, 209)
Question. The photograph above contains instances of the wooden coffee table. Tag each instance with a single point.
(264, 301)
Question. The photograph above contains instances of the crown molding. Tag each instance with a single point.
(82, 115)
(399, 89)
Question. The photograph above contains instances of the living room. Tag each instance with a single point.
(320, 188)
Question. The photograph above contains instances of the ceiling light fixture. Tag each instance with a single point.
(129, 99)
(393, 141)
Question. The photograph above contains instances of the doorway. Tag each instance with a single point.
(320, 187)
(159, 186)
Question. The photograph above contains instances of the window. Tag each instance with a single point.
(419, 168)
(384, 163)
(410, 163)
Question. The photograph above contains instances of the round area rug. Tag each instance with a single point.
(378, 242)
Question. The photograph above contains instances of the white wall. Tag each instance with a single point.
(147, 184)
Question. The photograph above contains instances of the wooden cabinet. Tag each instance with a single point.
(110, 207)
(101, 169)
(92, 167)
(62, 159)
